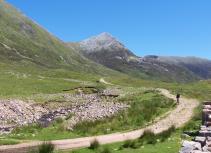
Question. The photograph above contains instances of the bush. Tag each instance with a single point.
(126, 144)
(166, 134)
(44, 148)
(148, 137)
(94, 145)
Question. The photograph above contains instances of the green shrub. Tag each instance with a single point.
(126, 144)
(46, 147)
(94, 145)
(149, 137)
(166, 134)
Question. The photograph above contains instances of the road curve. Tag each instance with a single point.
(177, 117)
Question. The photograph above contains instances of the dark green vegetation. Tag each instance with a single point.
(44, 148)
(144, 107)
(148, 138)
(94, 145)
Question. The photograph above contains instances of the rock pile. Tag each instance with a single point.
(90, 108)
(111, 92)
(17, 113)
(201, 143)
(95, 111)
(82, 107)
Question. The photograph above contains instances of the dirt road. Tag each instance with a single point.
(177, 117)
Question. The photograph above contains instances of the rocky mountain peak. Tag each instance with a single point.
(103, 41)
(105, 36)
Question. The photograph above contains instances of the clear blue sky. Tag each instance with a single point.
(162, 27)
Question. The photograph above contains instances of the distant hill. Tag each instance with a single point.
(108, 51)
(200, 67)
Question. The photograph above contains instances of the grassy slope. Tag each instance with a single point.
(16, 82)
(34, 61)
(27, 41)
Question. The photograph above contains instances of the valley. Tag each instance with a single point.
(92, 96)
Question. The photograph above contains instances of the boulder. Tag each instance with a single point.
(190, 146)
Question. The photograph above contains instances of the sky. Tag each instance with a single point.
(146, 27)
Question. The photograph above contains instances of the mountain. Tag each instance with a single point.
(25, 43)
(33, 61)
(108, 51)
(27, 48)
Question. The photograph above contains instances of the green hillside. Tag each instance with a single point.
(33, 61)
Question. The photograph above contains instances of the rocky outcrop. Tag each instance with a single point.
(202, 142)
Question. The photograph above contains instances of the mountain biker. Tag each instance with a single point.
(178, 98)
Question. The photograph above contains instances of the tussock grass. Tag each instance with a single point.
(46, 147)
(148, 138)
(94, 145)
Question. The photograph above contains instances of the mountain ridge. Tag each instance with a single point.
(106, 50)
(25, 44)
